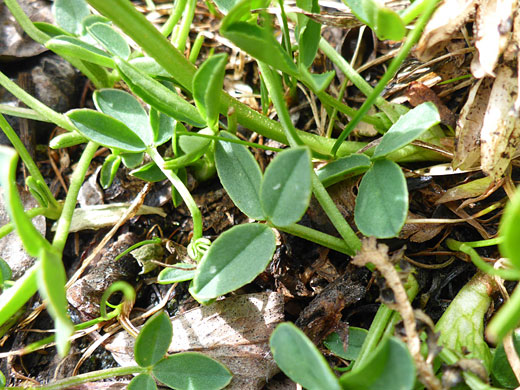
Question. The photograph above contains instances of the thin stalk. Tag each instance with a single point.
(9, 227)
(230, 140)
(183, 192)
(184, 30)
(174, 17)
(195, 48)
(334, 114)
(76, 180)
(22, 112)
(411, 39)
(13, 298)
(27, 159)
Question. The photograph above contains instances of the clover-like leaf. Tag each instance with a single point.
(149, 172)
(300, 360)
(162, 126)
(234, 259)
(356, 337)
(382, 201)
(342, 167)
(179, 272)
(74, 47)
(70, 13)
(110, 39)
(142, 382)
(192, 371)
(153, 340)
(240, 175)
(285, 192)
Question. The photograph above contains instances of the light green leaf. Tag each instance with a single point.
(510, 231)
(179, 272)
(70, 13)
(149, 172)
(225, 6)
(356, 337)
(142, 382)
(74, 47)
(285, 192)
(5, 271)
(339, 169)
(111, 40)
(124, 107)
(409, 127)
(192, 371)
(153, 340)
(67, 140)
(109, 170)
(236, 258)
(382, 201)
(240, 175)
(105, 130)
(300, 360)
(162, 126)
(308, 43)
(132, 160)
(501, 370)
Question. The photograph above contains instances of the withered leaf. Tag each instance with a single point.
(467, 190)
(235, 331)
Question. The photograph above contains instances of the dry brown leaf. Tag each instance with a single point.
(235, 331)
(501, 129)
(469, 125)
(467, 190)
(445, 22)
(493, 26)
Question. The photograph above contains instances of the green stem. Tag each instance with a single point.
(230, 140)
(76, 180)
(12, 299)
(9, 227)
(411, 39)
(174, 18)
(183, 191)
(318, 237)
(334, 114)
(182, 36)
(195, 48)
(506, 319)
(22, 112)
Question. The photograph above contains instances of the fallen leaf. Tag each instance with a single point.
(467, 190)
(235, 331)
(419, 93)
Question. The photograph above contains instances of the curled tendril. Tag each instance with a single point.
(198, 248)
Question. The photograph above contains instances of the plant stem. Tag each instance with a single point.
(9, 227)
(22, 112)
(174, 18)
(183, 191)
(62, 230)
(182, 36)
(13, 298)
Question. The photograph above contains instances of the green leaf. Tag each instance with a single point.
(142, 382)
(191, 144)
(124, 107)
(339, 169)
(236, 258)
(510, 231)
(162, 126)
(51, 285)
(389, 367)
(109, 170)
(67, 140)
(50, 29)
(32, 240)
(501, 370)
(225, 6)
(111, 40)
(409, 127)
(149, 172)
(70, 13)
(5, 271)
(105, 130)
(132, 160)
(192, 371)
(153, 340)
(318, 82)
(91, 20)
(74, 47)
(285, 192)
(308, 43)
(179, 272)
(300, 360)
(157, 95)
(356, 337)
(240, 175)
(207, 87)
(149, 66)
(382, 201)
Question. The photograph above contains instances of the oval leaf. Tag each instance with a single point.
(124, 107)
(109, 170)
(236, 258)
(382, 201)
(300, 360)
(510, 231)
(105, 130)
(74, 47)
(162, 126)
(142, 382)
(285, 192)
(179, 272)
(356, 337)
(190, 371)
(339, 169)
(389, 367)
(111, 40)
(149, 172)
(70, 13)
(153, 340)
(501, 369)
(240, 175)
(409, 127)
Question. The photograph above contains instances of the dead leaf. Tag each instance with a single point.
(235, 331)
(501, 129)
(419, 232)
(419, 93)
(467, 190)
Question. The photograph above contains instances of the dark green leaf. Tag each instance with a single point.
(50, 29)
(356, 337)
(109, 170)
(176, 197)
(74, 47)
(300, 360)
(285, 192)
(157, 95)
(308, 42)
(111, 40)
(179, 272)
(142, 382)
(162, 126)
(70, 13)
(207, 87)
(105, 130)
(409, 127)
(339, 169)
(153, 340)
(501, 370)
(51, 284)
(192, 371)
(240, 175)
(389, 367)
(124, 107)
(132, 160)
(67, 140)
(382, 201)
(5, 271)
(190, 144)
(149, 172)
(318, 82)
(233, 260)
